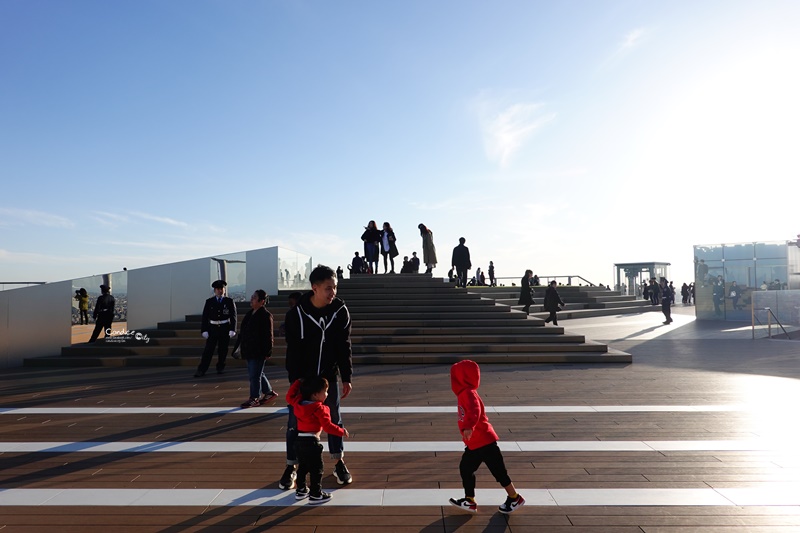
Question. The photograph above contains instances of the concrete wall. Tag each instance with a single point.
(262, 270)
(34, 321)
(165, 293)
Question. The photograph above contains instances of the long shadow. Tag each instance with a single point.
(275, 516)
(94, 461)
(105, 383)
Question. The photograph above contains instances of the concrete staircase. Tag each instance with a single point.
(581, 301)
(397, 319)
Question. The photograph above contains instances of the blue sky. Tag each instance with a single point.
(557, 136)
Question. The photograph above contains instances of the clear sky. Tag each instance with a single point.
(558, 136)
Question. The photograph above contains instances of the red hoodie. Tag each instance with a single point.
(312, 417)
(465, 378)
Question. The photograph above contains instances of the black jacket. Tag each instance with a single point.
(552, 300)
(525, 293)
(256, 337)
(461, 257)
(318, 341)
(104, 308)
(216, 311)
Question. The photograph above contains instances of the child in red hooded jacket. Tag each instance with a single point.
(480, 439)
(307, 397)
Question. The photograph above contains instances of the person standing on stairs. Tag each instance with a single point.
(552, 303)
(461, 262)
(428, 248)
(388, 247)
(525, 292)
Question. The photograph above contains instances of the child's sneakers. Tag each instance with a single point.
(465, 505)
(301, 493)
(322, 497)
(511, 504)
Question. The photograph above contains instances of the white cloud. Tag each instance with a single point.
(11, 216)
(631, 41)
(506, 128)
(160, 219)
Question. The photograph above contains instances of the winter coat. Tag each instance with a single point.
(465, 378)
(83, 302)
(312, 417)
(461, 259)
(525, 293)
(392, 251)
(318, 341)
(552, 300)
(256, 336)
(428, 249)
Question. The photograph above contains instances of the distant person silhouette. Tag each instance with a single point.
(552, 303)
(388, 247)
(525, 292)
(371, 238)
(428, 248)
(461, 262)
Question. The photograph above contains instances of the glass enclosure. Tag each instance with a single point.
(728, 276)
(293, 270)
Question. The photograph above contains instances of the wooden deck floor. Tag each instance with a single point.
(715, 420)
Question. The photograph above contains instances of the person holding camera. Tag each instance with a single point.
(83, 306)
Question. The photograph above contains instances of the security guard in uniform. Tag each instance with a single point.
(218, 327)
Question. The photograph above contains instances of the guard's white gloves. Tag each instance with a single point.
(232, 334)
(205, 334)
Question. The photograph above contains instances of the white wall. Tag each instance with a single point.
(165, 293)
(35, 321)
(262, 270)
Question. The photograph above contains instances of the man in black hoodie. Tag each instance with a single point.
(318, 344)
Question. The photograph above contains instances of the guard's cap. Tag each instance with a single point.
(219, 284)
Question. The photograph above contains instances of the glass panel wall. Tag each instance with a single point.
(293, 270)
(232, 268)
(85, 292)
(726, 277)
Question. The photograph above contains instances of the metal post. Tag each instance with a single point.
(769, 322)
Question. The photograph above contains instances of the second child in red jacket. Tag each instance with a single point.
(307, 397)
(480, 440)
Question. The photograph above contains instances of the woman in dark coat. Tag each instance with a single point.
(525, 295)
(388, 247)
(371, 238)
(552, 303)
(256, 339)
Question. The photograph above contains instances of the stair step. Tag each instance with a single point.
(415, 320)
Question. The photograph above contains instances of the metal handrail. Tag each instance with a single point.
(769, 322)
(550, 278)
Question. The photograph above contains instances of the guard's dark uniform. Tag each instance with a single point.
(103, 313)
(219, 319)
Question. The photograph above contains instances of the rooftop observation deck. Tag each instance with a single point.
(697, 434)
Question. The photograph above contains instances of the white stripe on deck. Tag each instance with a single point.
(488, 499)
(352, 446)
(384, 410)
